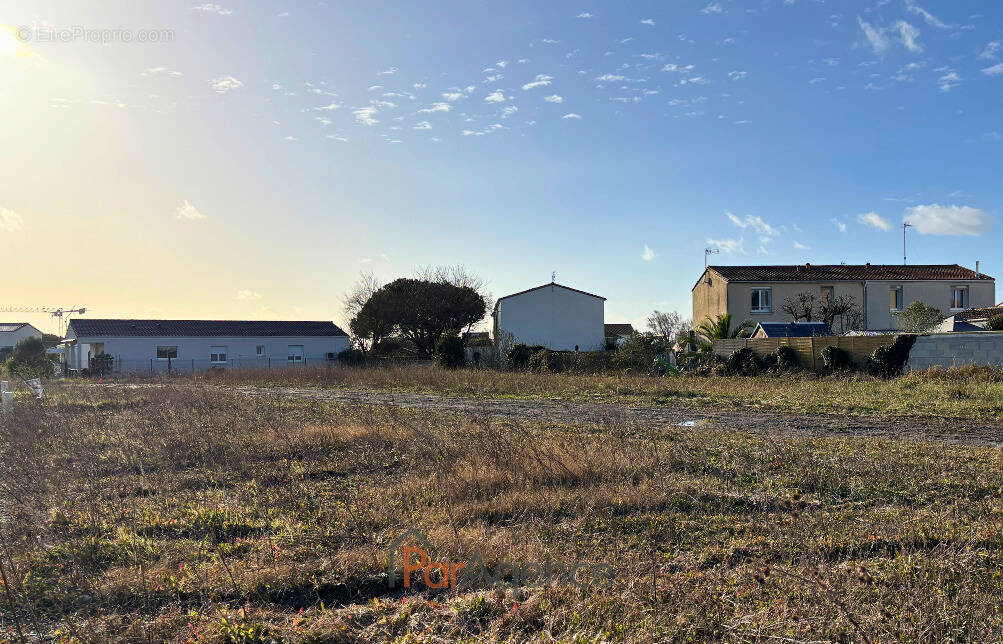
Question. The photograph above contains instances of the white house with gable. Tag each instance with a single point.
(157, 346)
(13, 332)
(553, 316)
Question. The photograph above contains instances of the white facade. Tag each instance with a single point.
(152, 354)
(552, 316)
(12, 333)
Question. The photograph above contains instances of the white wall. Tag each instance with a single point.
(11, 338)
(140, 354)
(554, 317)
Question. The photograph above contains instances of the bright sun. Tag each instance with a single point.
(11, 46)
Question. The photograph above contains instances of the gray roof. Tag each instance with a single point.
(9, 327)
(94, 328)
(793, 329)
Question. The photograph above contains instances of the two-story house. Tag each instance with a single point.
(880, 292)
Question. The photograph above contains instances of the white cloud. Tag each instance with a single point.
(245, 294)
(757, 224)
(648, 254)
(798, 245)
(160, 71)
(509, 111)
(365, 115)
(737, 75)
(585, 15)
(453, 96)
(908, 34)
(930, 19)
(877, 38)
(224, 84)
(495, 97)
(934, 219)
(571, 115)
(991, 50)
(213, 8)
(713, 7)
(333, 105)
(840, 225)
(995, 70)
(539, 81)
(187, 211)
(648, 21)
(424, 125)
(610, 78)
(949, 80)
(290, 138)
(436, 107)
(874, 220)
(554, 98)
(389, 72)
(10, 221)
(420, 85)
(727, 245)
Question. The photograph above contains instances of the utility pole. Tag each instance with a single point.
(708, 252)
(904, 227)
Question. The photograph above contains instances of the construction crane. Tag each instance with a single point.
(54, 312)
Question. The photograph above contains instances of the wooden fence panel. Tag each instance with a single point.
(808, 350)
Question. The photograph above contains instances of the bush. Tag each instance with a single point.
(888, 362)
(352, 358)
(518, 356)
(638, 352)
(743, 362)
(836, 359)
(546, 361)
(786, 359)
(995, 323)
(449, 350)
(29, 360)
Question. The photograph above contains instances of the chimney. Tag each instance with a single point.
(807, 265)
(976, 269)
(868, 264)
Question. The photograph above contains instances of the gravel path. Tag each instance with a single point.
(959, 430)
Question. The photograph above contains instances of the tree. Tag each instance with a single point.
(670, 325)
(449, 350)
(919, 317)
(29, 360)
(995, 323)
(719, 328)
(362, 290)
(458, 276)
(801, 307)
(842, 314)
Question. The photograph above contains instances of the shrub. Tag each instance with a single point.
(786, 359)
(743, 362)
(546, 361)
(995, 323)
(836, 359)
(29, 360)
(352, 357)
(449, 351)
(888, 362)
(518, 356)
(638, 352)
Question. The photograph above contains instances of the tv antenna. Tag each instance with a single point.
(707, 252)
(553, 277)
(904, 227)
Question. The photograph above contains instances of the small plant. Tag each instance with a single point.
(995, 323)
(836, 359)
(519, 354)
(449, 350)
(743, 363)
(888, 362)
(352, 358)
(786, 359)
(546, 361)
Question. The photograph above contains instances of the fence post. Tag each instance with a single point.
(814, 367)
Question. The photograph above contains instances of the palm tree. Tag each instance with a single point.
(719, 328)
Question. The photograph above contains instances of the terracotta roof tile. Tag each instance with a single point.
(846, 272)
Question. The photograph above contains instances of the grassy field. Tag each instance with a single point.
(969, 392)
(187, 514)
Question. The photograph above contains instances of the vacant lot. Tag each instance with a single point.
(186, 513)
(970, 392)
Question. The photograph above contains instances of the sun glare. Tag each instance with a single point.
(11, 46)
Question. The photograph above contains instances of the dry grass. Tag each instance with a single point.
(189, 515)
(968, 392)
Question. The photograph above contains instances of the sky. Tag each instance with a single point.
(247, 160)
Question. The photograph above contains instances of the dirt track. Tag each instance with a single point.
(959, 430)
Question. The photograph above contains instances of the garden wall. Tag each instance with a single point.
(956, 349)
(808, 349)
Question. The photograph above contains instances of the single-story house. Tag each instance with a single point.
(153, 346)
(791, 330)
(553, 316)
(13, 332)
(617, 333)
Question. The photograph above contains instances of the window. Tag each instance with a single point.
(959, 298)
(260, 351)
(332, 355)
(762, 300)
(163, 353)
(295, 353)
(895, 298)
(217, 354)
(828, 294)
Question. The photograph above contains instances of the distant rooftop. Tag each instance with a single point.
(537, 288)
(846, 272)
(90, 328)
(10, 327)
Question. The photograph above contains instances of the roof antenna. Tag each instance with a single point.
(904, 226)
(553, 277)
(707, 252)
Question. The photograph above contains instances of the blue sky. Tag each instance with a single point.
(254, 162)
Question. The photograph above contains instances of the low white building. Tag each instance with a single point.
(13, 332)
(553, 316)
(156, 346)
